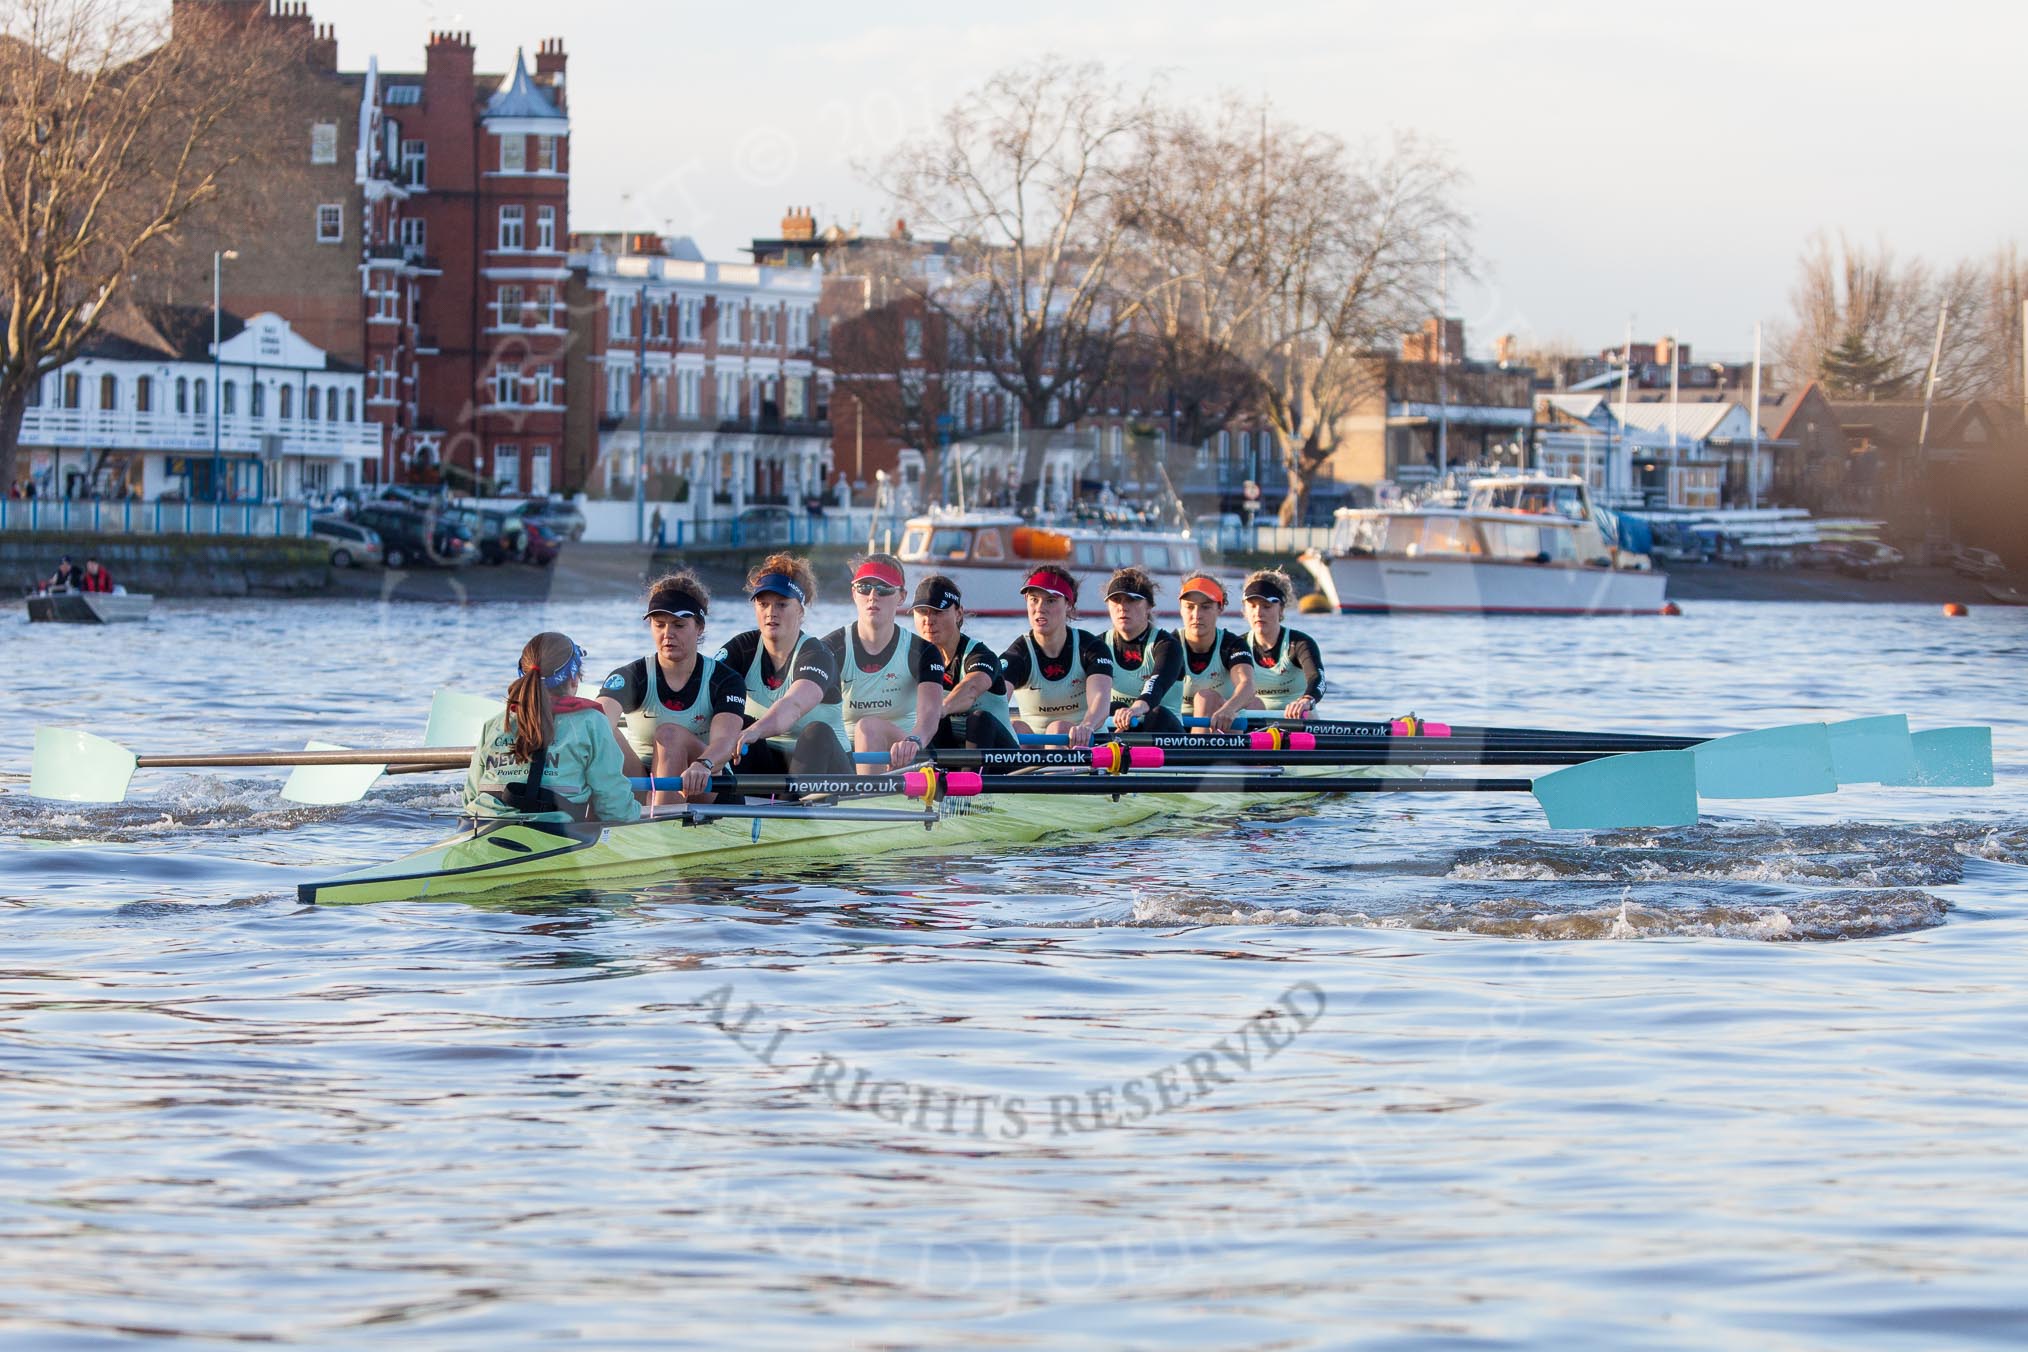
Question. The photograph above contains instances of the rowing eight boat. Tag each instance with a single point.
(500, 855)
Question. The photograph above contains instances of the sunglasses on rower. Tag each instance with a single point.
(868, 587)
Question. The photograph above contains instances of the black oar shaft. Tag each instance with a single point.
(1409, 748)
(1110, 785)
(1221, 756)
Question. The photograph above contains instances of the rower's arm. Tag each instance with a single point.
(966, 693)
(725, 730)
(1242, 691)
(801, 697)
(929, 709)
(1098, 700)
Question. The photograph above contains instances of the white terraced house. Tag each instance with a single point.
(140, 412)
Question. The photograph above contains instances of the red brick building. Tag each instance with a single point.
(466, 181)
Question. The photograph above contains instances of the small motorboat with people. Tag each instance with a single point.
(1528, 544)
(84, 595)
(79, 607)
(990, 555)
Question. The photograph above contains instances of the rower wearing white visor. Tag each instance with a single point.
(676, 712)
(1288, 667)
(1061, 678)
(1217, 668)
(892, 682)
(1147, 662)
(792, 693)
(975, 712)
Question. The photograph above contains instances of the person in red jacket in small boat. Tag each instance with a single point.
(96, 578)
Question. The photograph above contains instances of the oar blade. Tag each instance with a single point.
(1641, 788)
(1951, 758)
(1872, 750)
(324, 785)
(456, 719)
(1787, 762)
(78, 767)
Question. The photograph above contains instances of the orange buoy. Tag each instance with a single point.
(1953, 608)
(1671, 608)
(1031, 542)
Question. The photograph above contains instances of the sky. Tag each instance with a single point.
(1664, 165)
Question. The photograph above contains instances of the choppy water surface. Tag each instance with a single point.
(1385, 1071)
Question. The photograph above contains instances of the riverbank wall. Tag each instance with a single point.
(177, 565)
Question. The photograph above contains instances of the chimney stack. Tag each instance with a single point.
(799, 223)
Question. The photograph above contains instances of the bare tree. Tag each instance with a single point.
(1864, 322)
(1344, 261)
(114, 131)
(1022, 180)
(889, 356)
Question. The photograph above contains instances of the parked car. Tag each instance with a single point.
(1969, 562)
(563, 519)
(766, 526)
(495, 534)
(539, 544)
(1862, 558)
(411, 537)
(352, 545)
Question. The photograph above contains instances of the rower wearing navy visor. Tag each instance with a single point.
(675, 710)
(1147, 662)
(1288, 667)
(892, 682)
(975, 712)
(1061, 678)
(1217, 668)
(793, 700)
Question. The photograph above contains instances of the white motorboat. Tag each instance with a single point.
(1521, 545)
(80, 607)
(990, 554)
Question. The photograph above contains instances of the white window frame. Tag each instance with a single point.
(545, 154)
(545, 229)
(545, 383)
(333, 214)
(415, 163)
(415, 237)
(728, 395)
(686, 392)
(728, 323)
(538, 469)
(507, 456)
(619, 315)
(618, 379)
(507, 384)
(514, 154)
(692, 316)
(514, 227)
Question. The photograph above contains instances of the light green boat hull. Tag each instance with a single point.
(523, 856)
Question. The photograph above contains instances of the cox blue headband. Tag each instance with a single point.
(566, 675)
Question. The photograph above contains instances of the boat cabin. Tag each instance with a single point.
(1533, 495)
(1010, 542)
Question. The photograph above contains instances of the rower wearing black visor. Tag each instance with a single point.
(975, 709)
(1147, 662)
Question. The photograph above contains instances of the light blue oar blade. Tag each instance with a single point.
(455, 719)
(324, 784)
(1785, 762)
(78, 767)
(1872, 750)
(1951, 758)
(1641, 788)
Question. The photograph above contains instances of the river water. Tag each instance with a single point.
(1386, 1072)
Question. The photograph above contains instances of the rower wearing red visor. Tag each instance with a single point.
(1061, 678)
(892, 682)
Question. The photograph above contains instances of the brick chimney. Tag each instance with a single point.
(449, 59)
(324, 47)
(549, 63)
(799, 223)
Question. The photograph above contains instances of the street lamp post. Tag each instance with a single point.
(218, 258)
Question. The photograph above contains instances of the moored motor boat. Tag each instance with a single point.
(1526, 545)
(990, 554)
(80, 607)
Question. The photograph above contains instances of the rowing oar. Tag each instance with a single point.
(80, 767)
(1649, 788)
(1784, 762)
(1120, 757)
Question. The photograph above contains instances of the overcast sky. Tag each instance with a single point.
(1666, 163)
